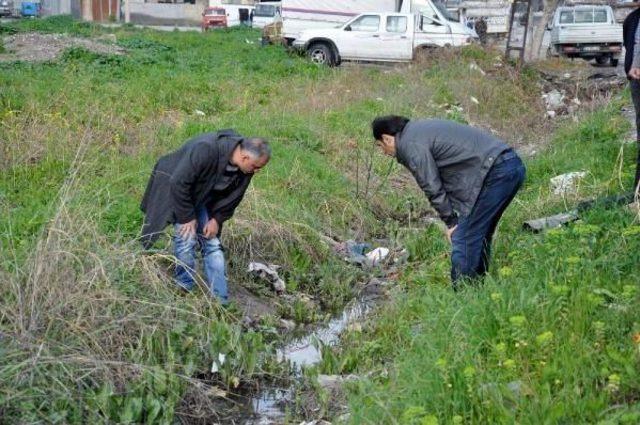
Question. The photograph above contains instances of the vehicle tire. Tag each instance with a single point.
(321, 54)
(613, 62)
(424, 53)
(601, 60)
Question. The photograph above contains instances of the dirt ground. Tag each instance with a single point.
(36, 47)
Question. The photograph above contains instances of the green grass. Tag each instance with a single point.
(92, 330)
(556, 318)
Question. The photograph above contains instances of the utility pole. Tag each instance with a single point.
(87, 12)
(127, 11)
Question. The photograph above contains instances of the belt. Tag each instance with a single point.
(505, 156)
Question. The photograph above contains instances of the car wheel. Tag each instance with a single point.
(613, 62)
(321, 54)
(601, 60)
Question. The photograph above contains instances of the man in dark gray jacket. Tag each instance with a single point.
(197, 188)
(469, 176)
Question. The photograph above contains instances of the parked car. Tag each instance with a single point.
(384, 37)
(6, 7)
(588, 32)
(214, 17)
(265, 13)
(238, 14)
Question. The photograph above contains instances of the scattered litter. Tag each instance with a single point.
(356, 252)
(199, 113)
(316, 422)
(268, 273)
(553, 100)
(379, 99)
(567, 75)
(550, 222)
(217, 364)
(248, 41)
(474, 66)
(475, 100)
(566, 183)
(376, 256)
(551, 114)
(557, 220)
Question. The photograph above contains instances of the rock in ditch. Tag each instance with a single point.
(334, 382)
(268, 273)
(287, 325)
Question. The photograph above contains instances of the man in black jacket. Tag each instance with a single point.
(197, 188)
(469, 176)
(631, 38)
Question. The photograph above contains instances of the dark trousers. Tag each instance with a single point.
(471, 241)
(635, 97)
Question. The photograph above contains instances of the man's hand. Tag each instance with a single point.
(187, 230)
(211, 229)
(449, 232)
(634, 73)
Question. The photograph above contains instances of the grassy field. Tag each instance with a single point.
(92, 330)
(553, 336)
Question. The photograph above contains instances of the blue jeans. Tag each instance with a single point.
(212, 259)
(471, 241)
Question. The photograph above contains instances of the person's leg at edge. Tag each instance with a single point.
(184, 250)
(635, 97)
(213, 261)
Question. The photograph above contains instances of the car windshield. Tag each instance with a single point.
(443, 10)
(264, 10)
(214, 12)
(584, 16)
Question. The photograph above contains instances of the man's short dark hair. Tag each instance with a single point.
(257, 147)
(390, 124)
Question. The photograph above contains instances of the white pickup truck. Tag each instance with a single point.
(383, 37)
(588, 32)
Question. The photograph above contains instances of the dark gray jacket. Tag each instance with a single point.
(184, 180)
(449, 161)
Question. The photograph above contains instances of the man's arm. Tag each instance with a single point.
(424, 169)
(190, 167)
(636, 49)
(224, 209)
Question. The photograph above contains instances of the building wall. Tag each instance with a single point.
(182, 14)
(56, 7)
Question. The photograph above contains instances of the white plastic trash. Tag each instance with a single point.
(376, 256)
(215, 366)
(567, 183)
